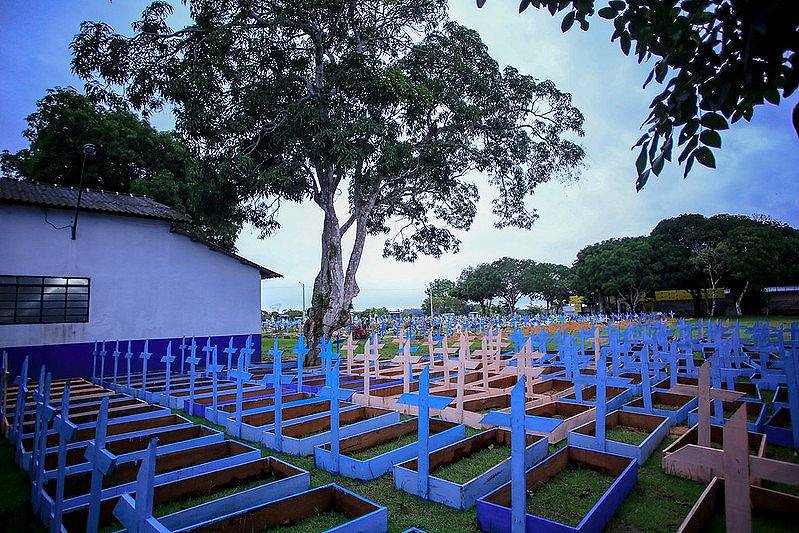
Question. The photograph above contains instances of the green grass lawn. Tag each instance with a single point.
(627, 435)
(380, 449)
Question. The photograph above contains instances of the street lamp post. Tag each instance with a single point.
(89, 150)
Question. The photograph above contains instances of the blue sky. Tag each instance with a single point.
(756, 170)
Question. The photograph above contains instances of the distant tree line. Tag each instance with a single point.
(690, 252)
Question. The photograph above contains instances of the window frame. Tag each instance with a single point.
(44, 299)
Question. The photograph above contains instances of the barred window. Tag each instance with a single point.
(43, 300)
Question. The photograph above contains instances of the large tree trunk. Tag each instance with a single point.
(740, 298)
(334, 288)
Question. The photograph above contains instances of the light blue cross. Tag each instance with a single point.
(277, 380)
(46, 413)
(230, 351)
(137, 514)
(167, 360)
(128, 357)
(102, 463)
(334, 393)
(116, 353)
(66, 431)
(424, 401)
(300, 350)
(214, 370)
(144, 356)
(22, 394)
(240, 376)
(192, 360)
(102, 363)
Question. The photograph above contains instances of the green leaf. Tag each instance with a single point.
(705, 156)
(657, 164)
(618, 5)
(481, 3)
(710, 138)
(714, 121)
(625, 43)
(568, 21)
(688, 166)
(640, 162)
(607, 13)
(524, 5)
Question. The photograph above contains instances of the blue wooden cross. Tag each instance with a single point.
(192, 360)
(326, 354)
(116, 355)
(46, 413)
(144, 356)
(214, 368)
(791, 367)
(519, 423)
(247, 352)
(424, 402)
(208, 350)
(240, 376)
(40, 410)
(277, 380)
(102, 363)
(646, 380)
(128, 357)
(183, 347)
(102, 463)
(94, 362)
(22, 394)
(230, 351)
(65, 430)
(300, 350)
(167, 360)
(137, 514)
(333, 392)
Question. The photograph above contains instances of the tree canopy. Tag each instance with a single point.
(445, 299)
(132, 157)
(549, 282)
(388, 105)
(717, 60)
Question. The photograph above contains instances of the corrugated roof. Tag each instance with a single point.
(47, 195)
(112, 203)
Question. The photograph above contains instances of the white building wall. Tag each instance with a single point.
(146, 282)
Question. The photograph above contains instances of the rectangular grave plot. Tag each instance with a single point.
(615, 395)
(672, 464)
(267, 401)
(319, 425)
(771, 510)
(193, 499)
(131, 426)
(572, 415)
(267, 418)
(125, 473)
(462, 472)
(755, 413)
(487, 403)
(121, 447)
(370, 455)
(552, 386)
(671, 405)
(340, 510)
(300, 438)
(632, 435)
(621, 473)
(778, 428)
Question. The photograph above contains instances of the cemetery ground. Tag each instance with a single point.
(658, 503)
